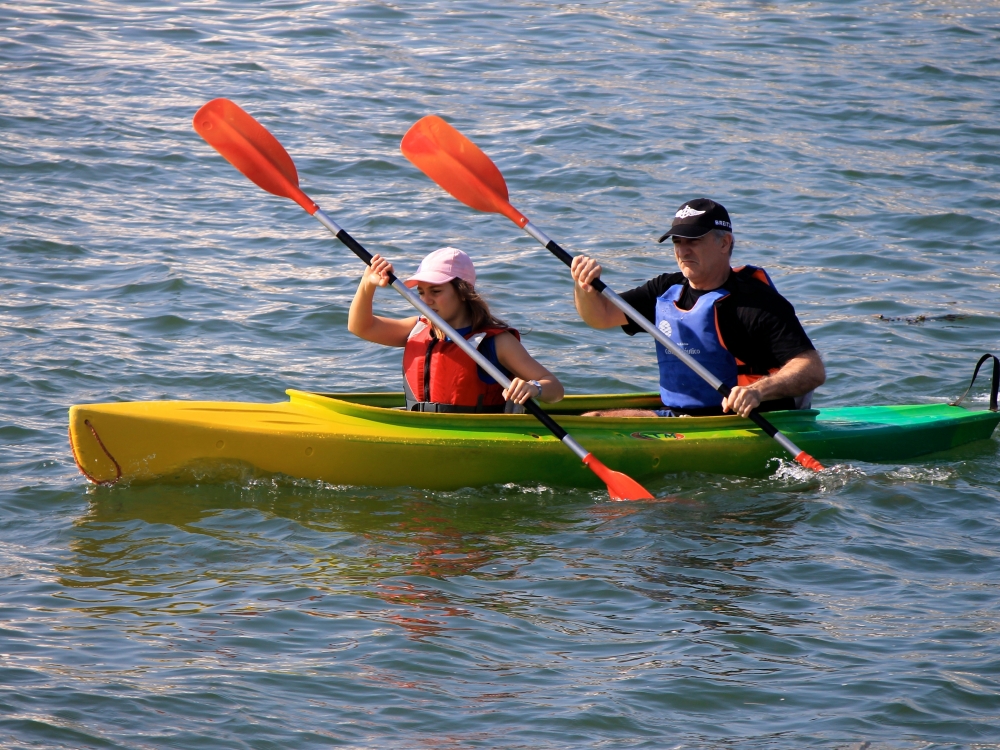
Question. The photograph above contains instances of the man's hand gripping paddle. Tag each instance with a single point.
(248, 146)
(462, 169)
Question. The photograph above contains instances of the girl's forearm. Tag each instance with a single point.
(552, 389)
(361, 318)
(522, 389)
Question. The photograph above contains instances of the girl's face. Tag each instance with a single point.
(444, 300)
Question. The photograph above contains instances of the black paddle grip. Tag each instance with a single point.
(557, 251)
(566, 258)
(355, 247)
(537, 412)
(769, 429)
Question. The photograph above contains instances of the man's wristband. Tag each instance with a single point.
(538, 386)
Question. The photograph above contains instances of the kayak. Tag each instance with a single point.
(368, 439)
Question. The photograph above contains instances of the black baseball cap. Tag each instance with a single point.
(697, 218)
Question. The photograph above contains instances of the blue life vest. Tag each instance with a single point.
(695, 331)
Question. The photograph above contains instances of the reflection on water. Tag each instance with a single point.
(144, 545)
(716, 572)
(381, 604)
(317, 537)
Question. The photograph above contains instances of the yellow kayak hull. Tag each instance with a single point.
(358, 439)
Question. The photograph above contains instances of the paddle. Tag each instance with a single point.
(460, 167)
(248, 146)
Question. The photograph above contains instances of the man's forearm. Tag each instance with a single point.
(596, 310)
(799, 375)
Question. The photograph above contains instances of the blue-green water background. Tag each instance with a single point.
(856, 146)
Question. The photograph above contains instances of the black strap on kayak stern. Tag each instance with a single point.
(993, 388)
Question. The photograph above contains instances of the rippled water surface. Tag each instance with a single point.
(856, 145)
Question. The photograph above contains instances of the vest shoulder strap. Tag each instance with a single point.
(476, 338)
(497, 330)
(418, 327)
(754, 273)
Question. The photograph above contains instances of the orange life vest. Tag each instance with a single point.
(439, 376)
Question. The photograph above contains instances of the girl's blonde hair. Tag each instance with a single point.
(479, 311)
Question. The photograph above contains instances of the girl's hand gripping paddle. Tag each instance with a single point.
(462, 169)
(248, 146)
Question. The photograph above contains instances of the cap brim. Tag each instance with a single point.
(429, 277)
(686, 232)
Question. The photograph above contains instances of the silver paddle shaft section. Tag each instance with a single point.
(787, 444)
(460, 340)
(639, 319)
(327, 222)
(660, 336)
(643, 322)
(574, 446)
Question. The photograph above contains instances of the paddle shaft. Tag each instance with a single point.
(414, 299)
(641, 320)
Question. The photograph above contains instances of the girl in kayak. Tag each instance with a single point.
(437, 375)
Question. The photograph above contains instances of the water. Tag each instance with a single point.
(854, 143)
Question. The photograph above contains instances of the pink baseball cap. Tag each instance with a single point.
(442, 266)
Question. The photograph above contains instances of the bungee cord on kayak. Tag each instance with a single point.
(100, 443)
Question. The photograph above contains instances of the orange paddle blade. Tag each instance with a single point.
(248, 146)
(459, 166)
(620, 486)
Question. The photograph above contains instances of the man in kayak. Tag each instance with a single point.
(733, 321)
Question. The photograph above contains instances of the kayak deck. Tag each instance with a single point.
(364, 439)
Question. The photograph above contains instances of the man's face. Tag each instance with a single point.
(701, 257)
